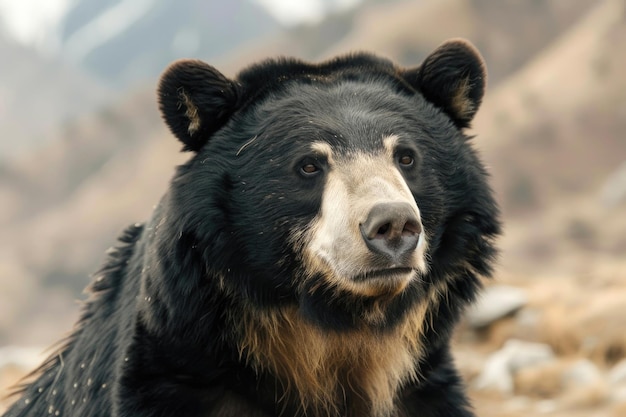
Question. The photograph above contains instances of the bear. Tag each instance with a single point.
(311, 258)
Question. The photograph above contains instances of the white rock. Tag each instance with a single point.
(500, 367)
(525, 354)
(618, 396)
(546, 406)
(581, 373)
(617, 375)
(496, 374)
(614, 190)
(518, 404)
(494, 303)
(528, 318)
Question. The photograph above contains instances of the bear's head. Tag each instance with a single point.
(346, 190)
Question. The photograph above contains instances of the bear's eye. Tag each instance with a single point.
(406, 160)
(309, 169)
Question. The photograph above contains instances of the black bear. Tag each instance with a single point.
(311, 258)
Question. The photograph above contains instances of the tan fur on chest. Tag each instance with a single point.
(362, 369)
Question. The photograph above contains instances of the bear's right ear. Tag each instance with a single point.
(195, 100)
(453, 78)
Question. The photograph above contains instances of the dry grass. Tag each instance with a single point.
(9, 376)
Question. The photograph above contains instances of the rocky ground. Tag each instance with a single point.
(532, 360)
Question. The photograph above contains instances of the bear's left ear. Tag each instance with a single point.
(453, 78)
(195, 100)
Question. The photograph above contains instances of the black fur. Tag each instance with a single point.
(213, 95)
(158, 337)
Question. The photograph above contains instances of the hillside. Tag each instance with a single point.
(125, 42)
(553, 134)
(57, 92)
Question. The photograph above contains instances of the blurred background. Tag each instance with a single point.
(83, 153)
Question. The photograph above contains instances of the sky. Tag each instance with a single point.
(33, 22)
(290, 12)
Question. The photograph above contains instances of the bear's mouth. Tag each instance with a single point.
(391, 274)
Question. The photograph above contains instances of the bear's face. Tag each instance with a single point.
(338, 177)
(328, 187)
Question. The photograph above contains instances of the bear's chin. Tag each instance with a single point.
(377, 301)
(384, 283)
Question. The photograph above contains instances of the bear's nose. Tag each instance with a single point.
(391, 229)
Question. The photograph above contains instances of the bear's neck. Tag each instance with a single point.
(327, 372)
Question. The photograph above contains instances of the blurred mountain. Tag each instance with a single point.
(553, 133)
(106, 46)
(124, 41)
(37, 93)
(507, 32)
